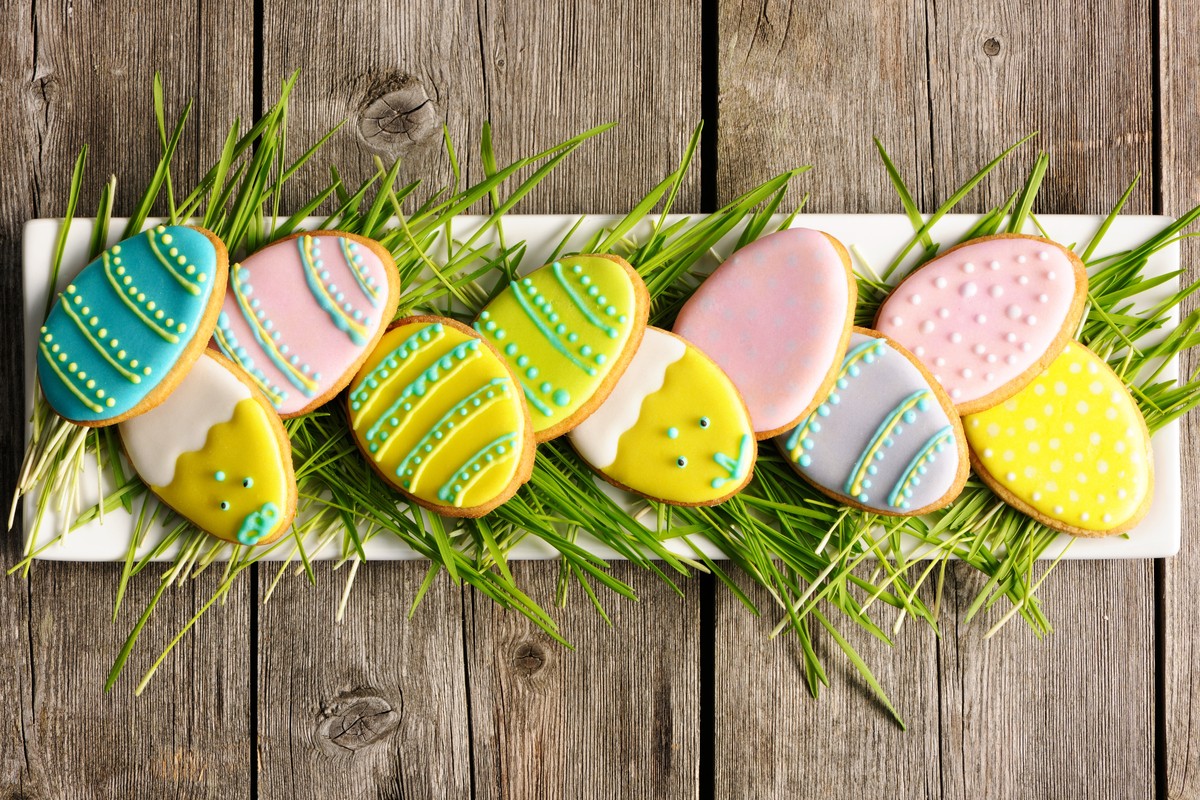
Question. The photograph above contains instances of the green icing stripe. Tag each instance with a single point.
(66, 382)
(360, 276)
(475, 466)
(425, 384)
(357, 331)
(266, 341)
(414, 344)
(582, 304)
(425, 450)
(170, 337)
(184, 282)
(550, 336)
(97, 345)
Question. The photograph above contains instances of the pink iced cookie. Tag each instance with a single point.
(776, 318)
(985, 317)
(301, 315)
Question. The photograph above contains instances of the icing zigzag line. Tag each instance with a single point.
(927, 453)
(443, 430)
(855, 484)
(351, 327)
(476, 466)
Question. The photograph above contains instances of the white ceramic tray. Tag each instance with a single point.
(874, 238)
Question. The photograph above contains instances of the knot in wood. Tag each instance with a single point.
(354, 720)
(398, 114)
(529, 657)
(991, 47)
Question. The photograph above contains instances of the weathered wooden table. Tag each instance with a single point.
(684, 696)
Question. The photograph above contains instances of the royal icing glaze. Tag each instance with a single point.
(881, 437)
(212, 451)
(775, 317)
(1072, 446)
(126, 321)
(563, 328)
(674, 427)
(438, 414)
(982, 315)
(300, 314)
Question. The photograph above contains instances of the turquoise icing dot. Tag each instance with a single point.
(561, 397)
(220, 476)
(672, 433)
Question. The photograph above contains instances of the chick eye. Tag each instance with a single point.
(247, 483)
(704, 422)
(681, 461)
(224, 505)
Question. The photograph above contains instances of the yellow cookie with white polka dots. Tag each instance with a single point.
(1071, 449)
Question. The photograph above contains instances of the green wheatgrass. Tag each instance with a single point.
(823, 566)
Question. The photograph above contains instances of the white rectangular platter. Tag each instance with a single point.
(874, 239)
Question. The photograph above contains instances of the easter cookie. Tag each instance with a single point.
(886, 438)
(568, 330)
(1071, 449)
(776, 317)
(301, 315)
(217, 453)
(126, 330)
(673, 429)
(987, 316)
(440, 416)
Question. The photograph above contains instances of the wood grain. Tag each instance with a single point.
(1020, 718)
(72, 82)
(1179, 64)
(804, 84)
(617, 717)
(377, 701)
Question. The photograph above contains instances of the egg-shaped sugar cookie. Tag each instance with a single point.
(1071, 449)
(776, 317)
(568, 329)
(217, 453)
(674, 429)
(440, 416)
(126, 330)
(987, 316)
(886, 438)
(302, 313)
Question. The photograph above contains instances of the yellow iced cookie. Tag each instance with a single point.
(1070, 449)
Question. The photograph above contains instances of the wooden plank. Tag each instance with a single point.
(800, 85)
(616, 717)
(620, 716)
(1179, 58)
(396, 72)
(377, 701)
(1074, 715)
(71, 82)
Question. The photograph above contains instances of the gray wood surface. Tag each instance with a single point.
(682, 697)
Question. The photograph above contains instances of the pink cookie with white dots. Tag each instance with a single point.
(986, 317)
(776, 317)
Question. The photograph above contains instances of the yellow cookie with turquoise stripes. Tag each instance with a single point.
(441, 417)
(568, 330)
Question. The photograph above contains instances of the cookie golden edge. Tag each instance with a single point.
(1065, 333)
(524, 469)
(281, 439)
(843, 345)
(388, 313)
(960, 437)
(749, 473)
(190, 353)
(640, 317)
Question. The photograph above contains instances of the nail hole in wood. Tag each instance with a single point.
(991, 48)
(354, 720)
(398, 114)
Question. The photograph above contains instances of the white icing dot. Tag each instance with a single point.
(1110, 414)
(1084, 516)
(956, 337)
(915, 299)
(981, 319)
(939, 282)
(1030, 472)
(939, 362)
(956, 393)
(1107, 518)
(1021, 259)
(1013, 311)
(1009, 455)
(1050, 275)
(1074, 495)
(1048, 409)
(1119, 447)
(968, 289)
(968, 267)
(1068, 427)
(1077, 458)
(1039, 389)
(1026, 347)
(1074, 369)
(1043, 255)
(989, 376)
(1058, 510)
(1122, 494)
(992, 358)
(1010, 359)
(919, 351)
(927, 326)
(1054, 444)
(1033, 447)
(994, 265)
(993, 429)
(996, 291)
(1037, 496)
(1031, 320)
(1095, 387)
(1030, 424)
(1010, 476)
(1010, 406)
(943, 313)
(1056, 466)
(966, 372)
(987, 451)
(1094, 438)
(1093, 369)
(1060, 388)
(979, 349)
(897, 321)
(1101, 466)
(1022, 279)
(1043, 298)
